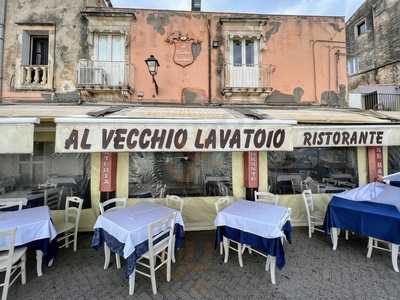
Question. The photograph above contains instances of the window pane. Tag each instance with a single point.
(362, 28)
(103, 48)
(323, 170)
(394, 159)
(47, 173)
(249, 53)
(237, 53)
(184, 174)
(117, 48)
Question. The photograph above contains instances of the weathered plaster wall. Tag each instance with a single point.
(288, 48)
(70, 35)
(379, 48)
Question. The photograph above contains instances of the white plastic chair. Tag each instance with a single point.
(160, 239)
(220, 204)
(266, 197)
(11, 259)
(11, 203)
(104, 206)
(69, 227)
(312, 218)
(174, 202)
(374, 243)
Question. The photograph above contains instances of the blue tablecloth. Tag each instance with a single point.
(100, 236)
(376, 220)
(271, 247)
(49, 248)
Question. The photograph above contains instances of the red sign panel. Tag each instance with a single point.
(108, 172)
(251, 169)
(375, 163)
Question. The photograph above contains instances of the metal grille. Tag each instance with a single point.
(381, 101)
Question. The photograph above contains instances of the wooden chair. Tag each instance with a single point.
(11, 203)
(174, 202)
(266, 197)
(374, 243)
(109, 205)
(69, 227)
(312, 218)
(11, 259)
(159, 243)
(220, 204)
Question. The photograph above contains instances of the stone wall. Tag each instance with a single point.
(379, 48)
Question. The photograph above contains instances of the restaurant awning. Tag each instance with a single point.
(17, 135)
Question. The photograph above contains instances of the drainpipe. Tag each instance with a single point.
(209, 59)
(313, 43)
(3, 7)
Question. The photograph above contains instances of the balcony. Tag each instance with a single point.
(381, 101)
(105, 77)
(35, 77)
(252, 81)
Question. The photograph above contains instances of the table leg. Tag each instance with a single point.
(39, 259)
(272, 266)
(395, 254)
(107, 254)
(240, 255)
(132, 283)
(226, 249)
(334, 237)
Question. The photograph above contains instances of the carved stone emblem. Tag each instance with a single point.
(183, 53)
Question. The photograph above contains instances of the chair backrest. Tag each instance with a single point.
(11, 203)
(160, 234)
(221, 203)
(308, 202)
(52, 196)
(175, 202)
(7, 243)
(112, 204)
(73, 208)
(266, 197)
(163, 191)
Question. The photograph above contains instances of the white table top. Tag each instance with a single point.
(129, 225)
(259, 218)
(32, 224)
(61, 180)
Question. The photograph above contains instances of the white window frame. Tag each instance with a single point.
(353, 65)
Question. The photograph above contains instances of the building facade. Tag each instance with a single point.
(373, 55)
(105, 102)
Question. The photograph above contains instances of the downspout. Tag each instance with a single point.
(313, 43)
(3, 7)
(209, 59)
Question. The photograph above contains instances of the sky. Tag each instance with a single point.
(293, 7)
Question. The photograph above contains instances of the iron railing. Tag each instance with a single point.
(104, 73)
(248, 76)
(382, 101)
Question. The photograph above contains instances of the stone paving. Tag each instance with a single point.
(313, 271)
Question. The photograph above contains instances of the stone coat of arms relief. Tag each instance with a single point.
(183, 43)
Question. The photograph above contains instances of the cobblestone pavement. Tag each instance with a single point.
(313, 271)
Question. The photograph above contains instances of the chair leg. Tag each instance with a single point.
(267, 263)
(309, 231)
(23, 269)
(240, 255)
(132, 283)
(6, 284)
(75, 241)
(226, 249)
(169, 259)
(50, 264)
(153, 276)
(250, 250)
(173, 250)
(118, 261)
(221, 248)
(370, 247)
(107, 254)
(66, 242)
(395, 254)
(346, 235)
(273, 265)
(39, 259)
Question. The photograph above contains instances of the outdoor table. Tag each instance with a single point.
(62, 180)
(377, 220)
(28, 198)
(125, 230)
(256, 224)
(35, 230)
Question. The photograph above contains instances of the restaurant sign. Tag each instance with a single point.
(171, 136)
(346, 136)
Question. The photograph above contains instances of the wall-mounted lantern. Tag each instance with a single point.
(152, 65)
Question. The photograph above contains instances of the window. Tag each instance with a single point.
(45, 172)
(39, 50)
(244, 53)
(361, 28)
(183, 174)
(323, 170)
(394, 159)
(353, 65)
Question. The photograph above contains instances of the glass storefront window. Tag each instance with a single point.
(182, 174)
(45, 177)
(394, 159)
(323, 170)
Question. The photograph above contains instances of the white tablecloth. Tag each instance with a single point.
(61, 180)
(129, 225)
(32, 224)
(262, 219)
